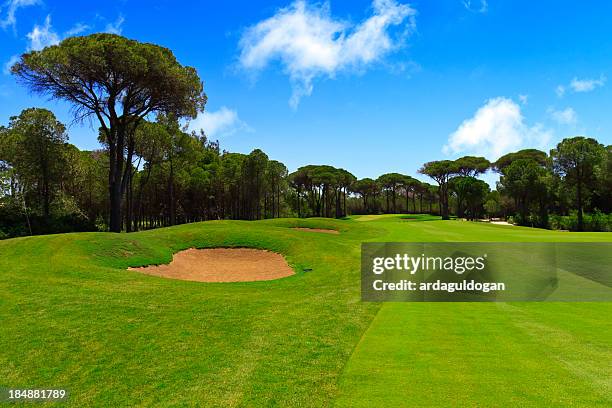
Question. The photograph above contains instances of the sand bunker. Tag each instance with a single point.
(501, 223)
(325, 231)
(222, 265)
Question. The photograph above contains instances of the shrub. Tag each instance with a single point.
(15, 223)
(597, 221)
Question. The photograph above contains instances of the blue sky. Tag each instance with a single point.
(370, 86)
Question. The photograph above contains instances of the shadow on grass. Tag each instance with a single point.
(426, 217)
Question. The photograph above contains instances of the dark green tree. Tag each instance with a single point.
(119, 82)
(35, 147)
(368, 189)
(441, 172)
(527, 182)
(492, 204)
(391, 183)
(473, 193)
(602, 194)
(254, 183)
(411, 189)
(467, 166)
(576, 160)
(276, 175)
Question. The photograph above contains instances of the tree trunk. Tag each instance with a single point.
(299, 203)
(579, 191)
(130, 205)
(523, 210)
(46, 195)
(115, 182)
(387, 196)
(171, 194)
(460, 212)
(265, 208)
(278, 203)
(115, 206)
(444, 203)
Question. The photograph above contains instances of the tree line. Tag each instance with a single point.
(173, 177)
(151, 172)
(576, 177)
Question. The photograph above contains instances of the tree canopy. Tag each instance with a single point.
(538, 156)
(472, 166)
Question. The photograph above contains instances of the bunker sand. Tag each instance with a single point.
(222, 265)
(323, 230)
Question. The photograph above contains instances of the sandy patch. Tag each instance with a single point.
(222, 265)
(501, 223)
(325, 231)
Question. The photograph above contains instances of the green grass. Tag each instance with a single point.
(490, 355)
(72, 316)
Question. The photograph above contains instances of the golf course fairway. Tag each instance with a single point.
(74, 317)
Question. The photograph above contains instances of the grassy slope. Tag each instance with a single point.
(72, 316)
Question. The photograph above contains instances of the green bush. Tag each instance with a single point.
(597, 221)
(15, 223)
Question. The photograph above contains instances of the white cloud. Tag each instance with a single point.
(587, 85)
(484, 6)
(42, 36)
(39, 38)
(222, 122)
(115, 27)
(560, 91)
(566, 116)
(6, 69)
(77, 29)
(11, 7)
(581, 85)
(498, 127)
(309, 43)
(524, 99)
